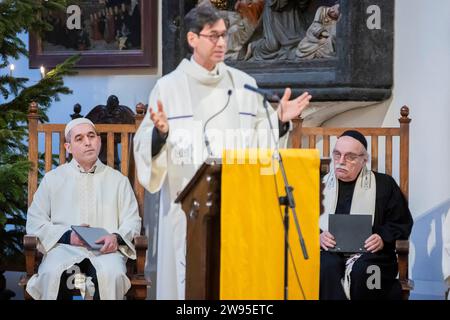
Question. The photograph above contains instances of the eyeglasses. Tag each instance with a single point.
(214, 37)
(348, 157)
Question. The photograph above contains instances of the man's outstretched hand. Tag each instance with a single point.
(159, 119)
(292, 109)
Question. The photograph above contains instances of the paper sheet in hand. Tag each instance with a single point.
(350, 231)
(90, 235)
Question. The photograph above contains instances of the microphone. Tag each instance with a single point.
(265, 93)
(208, 147)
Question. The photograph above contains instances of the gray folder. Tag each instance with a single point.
(89, 235)
(350, 231)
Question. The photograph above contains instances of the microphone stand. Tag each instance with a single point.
(288, 202)
(205, 136)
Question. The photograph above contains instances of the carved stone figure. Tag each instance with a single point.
(242, 24)
(320, 40)
(284, 25)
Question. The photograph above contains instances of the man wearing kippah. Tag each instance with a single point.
(351, 188)
(83, 192)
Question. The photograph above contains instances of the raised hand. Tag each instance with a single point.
(291, 109)
(159, 119)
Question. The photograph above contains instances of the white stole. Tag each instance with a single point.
(363, 200)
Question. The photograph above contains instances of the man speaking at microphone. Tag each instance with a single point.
(200, 104)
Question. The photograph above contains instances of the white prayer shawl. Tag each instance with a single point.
(364, 196)
(446, 250)
(183, 154)
(363, 202)
(68, 196)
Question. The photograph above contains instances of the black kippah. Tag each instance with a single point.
(355, 135)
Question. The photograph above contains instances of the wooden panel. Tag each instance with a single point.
(101, 128)
(404, 150)
(388, 154)
(62, 150)
(48, 151)
(312, 142)
(32, 150)
(319, 131)
(326, 146)
(110, 149)
(374, 153)
(106, 128)
(296, 134)
(47, 127)
(125, 154)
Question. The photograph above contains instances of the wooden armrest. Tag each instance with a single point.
(402, 250)
(30, 246)
(402, 247)
(30, 242)
(141, 244)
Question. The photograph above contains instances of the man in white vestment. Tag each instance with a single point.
(83, 192)
(202, 100)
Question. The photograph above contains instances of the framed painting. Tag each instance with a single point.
(106, 33)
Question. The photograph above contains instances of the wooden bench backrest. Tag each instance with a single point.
(126, 132)
(308, 137)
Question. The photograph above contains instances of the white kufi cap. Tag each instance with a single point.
(72, 124)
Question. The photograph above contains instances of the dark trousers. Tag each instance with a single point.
(332, 270)
(88, 269)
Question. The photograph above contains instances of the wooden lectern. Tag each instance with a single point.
(201, 202)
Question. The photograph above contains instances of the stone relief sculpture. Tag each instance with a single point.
(242, 25)
(274, 30)
(327, 57)
(284, 26)
(320, 40)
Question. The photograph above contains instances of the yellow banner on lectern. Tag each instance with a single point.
(252, 233)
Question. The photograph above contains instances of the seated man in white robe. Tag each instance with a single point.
(202, 100)
(83, 192)
(351, 188)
